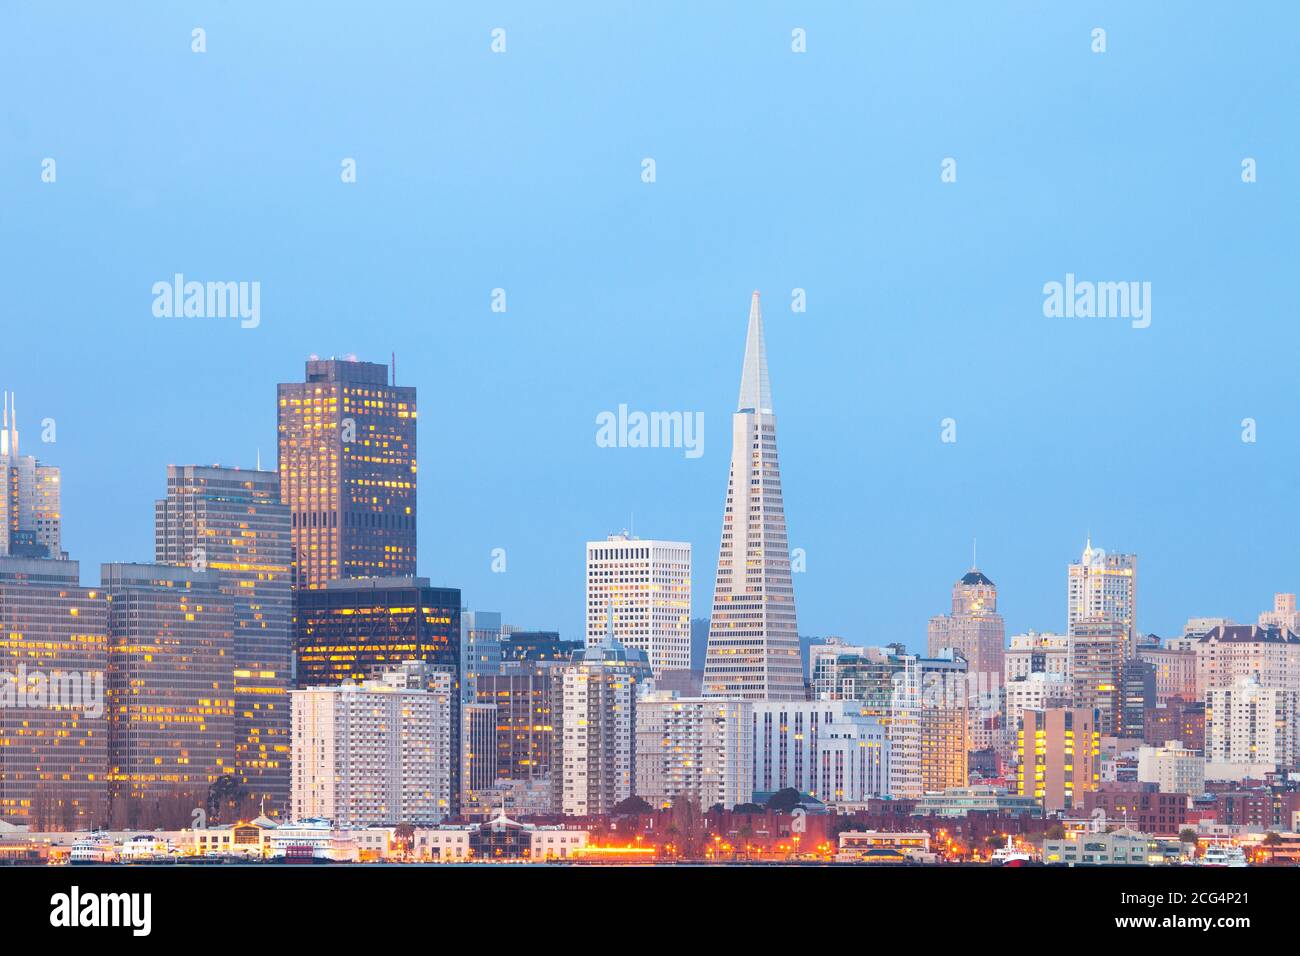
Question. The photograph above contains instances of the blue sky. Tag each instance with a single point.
(775, 170)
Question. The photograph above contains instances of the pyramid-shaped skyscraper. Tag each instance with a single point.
(753, 635)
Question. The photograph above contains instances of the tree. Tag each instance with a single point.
(783, 801)
(225, 793)
(1270, 842)
(1055, 832)
(633, 804)
(690, 824)
(1187, 835)
(748, 808)
(404, 839)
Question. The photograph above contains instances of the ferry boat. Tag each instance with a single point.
(1217, 854)
(1010, 855)
(92, 850)
(313, 841)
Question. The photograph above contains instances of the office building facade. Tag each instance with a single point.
(831, 750)
(171, 698)
(753, 651)
(54, 649)
(230, 521)
(642, 587)
(347, 461)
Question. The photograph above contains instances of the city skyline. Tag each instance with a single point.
(774, 171)
(699, 611)
(379, 517)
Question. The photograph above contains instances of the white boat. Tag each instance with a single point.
(1218, 854)
(91, 850)
(144, 849)
(1010, 855)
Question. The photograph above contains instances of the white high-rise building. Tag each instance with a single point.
(30, 508)
(1036, 652)
(1103, 587)
(829, 749)
(1227, 654)
(646, 587)
(593, 763)
(1250, 730)
(929, 713)
(373, 753)
(1172, 768)
(1037, 691)
(698, 747)
(753, 650)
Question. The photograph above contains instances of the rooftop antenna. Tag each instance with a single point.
(259, 459)
(10, 441)
(394, 354)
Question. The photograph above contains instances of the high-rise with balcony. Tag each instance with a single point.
(753, 651)
(231, 521)
(593, 764)
(347, 472)
(30, 516)
(701, 748)
(645, 587)
(377, 752)
(1251, 730)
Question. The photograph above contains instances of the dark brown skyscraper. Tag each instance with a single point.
(347, 472)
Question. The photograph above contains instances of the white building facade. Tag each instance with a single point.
(642, 588)
(827, 748)
(593, 762)
(702, 748)
(372, 753)
(753, 650)
(1225, 655)
(1103, 587)
(1250, 730)
(1172, 768)
(1036, 652)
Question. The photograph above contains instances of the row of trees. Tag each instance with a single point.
(53, 809)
